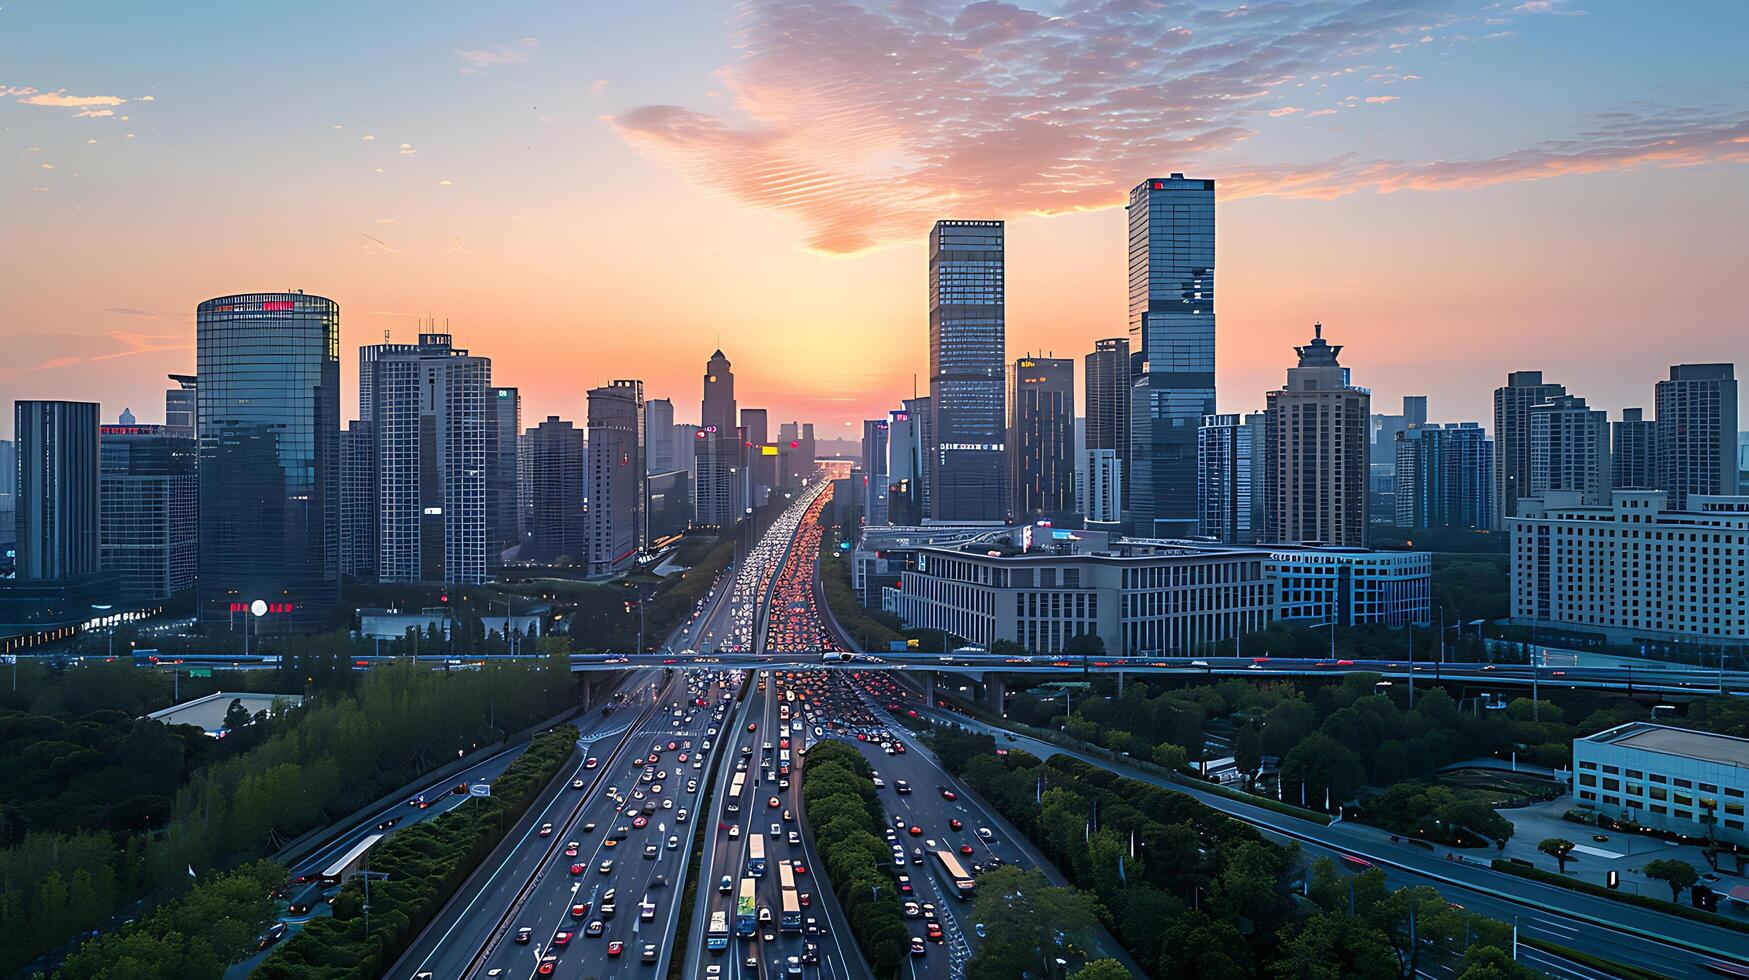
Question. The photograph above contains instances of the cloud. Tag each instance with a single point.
(1286, 110)
(367, 138)
(94, 113)
(130, 311)
(446, 182)
(1557, 7)
(375, 244)
(516, 52)
(32, 353)
(60, 99)
(407, 149)
(868, 119)
(1382, 99)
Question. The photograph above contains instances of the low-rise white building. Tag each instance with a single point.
(1669, 779)
(1351, 586)
(1634, 571)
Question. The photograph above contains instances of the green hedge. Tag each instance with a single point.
(1590, 888)
(193, 936)
(845, 820)
(1597, 963)
(425, 864)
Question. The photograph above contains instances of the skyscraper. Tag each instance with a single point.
(659, 435)
(503, 475)
(1316, 452)
(557, 482)
(904, 467)
(760, 459)
(1633, 452)
(58, 489)
(149, 501)
(1569, 449)
(1041, 437)
(428, 412)
(268, 423)
(719, 446)
(1444, 476)
(1230, 483)
(1103, 493)
(921, 412)
(1172, 347)
(967, 343)
(1697, 432)
(618, 519)
(1107, 376)
(1512, 404)
(179, 405)
(358, 501)
(876, 434)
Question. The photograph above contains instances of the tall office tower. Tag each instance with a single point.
(797, 459)
(659, 435)
(358, 501)
(57, 512)
(1106, 373)
(428, 412)
(503, 426)
(876, 436)
(904, 468)
(149, 502)
(760, 456)
(557, 482)
(1229, 479)
(1102, 490)
(1633, 452)
(1385, 428)
(1445, 476)
(1172, 347)
(1512, 405)
(1315, 460)
(619, 512)
(1041, 437)
(1697, 432)
(8, 497)
(924, 415)
(685, 436)
(268, 418)
(1569, 450)
(719, 446)
(967, 344)
(179, 405)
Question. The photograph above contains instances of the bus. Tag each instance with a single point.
(755, 855)
(792, 909)
(716, 938)
(747, 910)
(345, 864)
(735, 786)
(953, 874)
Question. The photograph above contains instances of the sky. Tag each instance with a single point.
(593, 190)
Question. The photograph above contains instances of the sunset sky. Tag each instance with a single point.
(594, 190)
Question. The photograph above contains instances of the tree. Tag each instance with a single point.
(1248, 750)
(1030, 924)
(1557, 848)
(1169, 756)
(1677, 874)
(1319, 764)
(1106, 969)
(236, 716)
(1493, 963)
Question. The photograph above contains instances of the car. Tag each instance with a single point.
(933, 931)
(607, 904)
(591, 762)
(386, 824)
(1600, 838)
(546, 830)
(726, 884)
(595, 928)
(547, 965)
(984, 834)
(800, 868)
(649, 953)
(917, 947)
(523, 935)
(734, 831)
(571, 849)
(764, 914)
(805, 898)
(606, 867)
(615, 948)
(912, 910)
(777, 830)
(916, 831)
(650, 852)
(965, 849)
(929, 911)
(795, 839)
(752, 727)
(561, 938)
(773, 803)
(787, 815)
(949, 795)
(589, 828)
(953, 823)
(579, 910)
(640, 821)
(673, 842)
(680, 815)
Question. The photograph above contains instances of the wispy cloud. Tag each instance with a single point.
(373, 244)
(477, 61)
(130, 311)
(60, 99)
(94, 113)
(868, 119)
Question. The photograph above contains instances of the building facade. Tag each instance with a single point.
(967, 344)
(1569, 449)
(1445, 477)
(56, 497)
(1041, 437)
(905, 459)
(150, 508)
(1512, 404)
(718, 447)
(1172, 347)
(659, 454)
(1102, 489)
(557, 480)
(1316, 452)
(618, 519)
(179, 407)
(1351, 586)
(1229, 477)
(1697, 432)
(503, 475)
(358, 501)
(1674, 780)
(876, 436)
(1635, 571)
(1633, 452)
(1105, 374)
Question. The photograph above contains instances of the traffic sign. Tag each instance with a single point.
(480, 789)
(200, 672)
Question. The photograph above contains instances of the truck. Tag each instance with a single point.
(716, 938)
(746, 910)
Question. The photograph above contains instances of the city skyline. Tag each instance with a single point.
(1524, 212)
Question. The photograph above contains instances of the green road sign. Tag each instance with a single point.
(200, 672)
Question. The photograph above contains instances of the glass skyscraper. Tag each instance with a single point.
(1172, 347)
(967, 341)
(268, 418)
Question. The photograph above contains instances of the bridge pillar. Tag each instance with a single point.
(929, 688)
(1120, 683)
(995, 691)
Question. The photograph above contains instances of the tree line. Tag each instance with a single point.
(846, 820)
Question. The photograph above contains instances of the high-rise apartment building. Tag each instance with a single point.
(1316, 452)
(57, 493)
(876, 435)
(1569, 449)
(556, 478)
(1172, 347)
(659, 435)
(1633, 452)
(618, 519)
(967, 343)
(428, 413)
(358, 501)
(268, 423)
(718, 447)
(503, 475)
(1444, 477)
(1697, 432)
(1229, 483)
(179, 405)
(1041, 437)
(1106, 374)
(1512, 404)
(149, 502)
(1102, 489)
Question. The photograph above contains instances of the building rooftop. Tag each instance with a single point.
(1706, 746)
